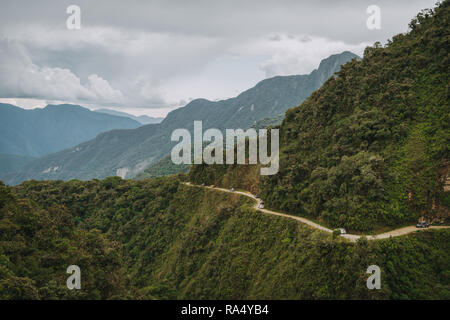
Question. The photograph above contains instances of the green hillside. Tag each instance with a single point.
(367, 151)
(370, 148)
(176, 241)
(37, 245)
(163, 167)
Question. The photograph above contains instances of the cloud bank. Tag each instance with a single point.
(158, 55)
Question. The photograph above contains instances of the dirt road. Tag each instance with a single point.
(351, 237)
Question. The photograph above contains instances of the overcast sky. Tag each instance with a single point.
(149, 57)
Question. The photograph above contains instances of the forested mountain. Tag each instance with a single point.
(163, 167)
(370, 148)
(127, 152)
(37, 245)
(56, 127)
(267, 99)
(160, 239)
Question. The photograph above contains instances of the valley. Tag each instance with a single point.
(129, 152)
(361, 186)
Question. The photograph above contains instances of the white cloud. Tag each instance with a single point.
(21, 78)
(299, 54)
(26, 103)
(154, 70)
(137, 63)
(103, 91)
(150, 55)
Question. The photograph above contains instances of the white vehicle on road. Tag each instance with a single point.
(261, 205)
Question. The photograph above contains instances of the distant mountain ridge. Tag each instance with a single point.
(370, 148)
(267, 99)
(128, 152)
(38, 132)
(144, 119)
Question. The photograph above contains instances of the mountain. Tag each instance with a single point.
(376, 136)
(370, 149)
(144, 119)
(127, 152)
(160, 239)
(267, 99)
(268, 122)
(56, 127)
(163, 167)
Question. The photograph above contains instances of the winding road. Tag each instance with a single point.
(351, 237)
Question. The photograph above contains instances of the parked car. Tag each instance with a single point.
(342, 230)
(232, 189)
(261, 206)
(422, 224)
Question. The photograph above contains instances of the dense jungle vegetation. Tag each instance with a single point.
(369, 148)
(366, 150)
(159, 239)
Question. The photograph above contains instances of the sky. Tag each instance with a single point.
(150, 57)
